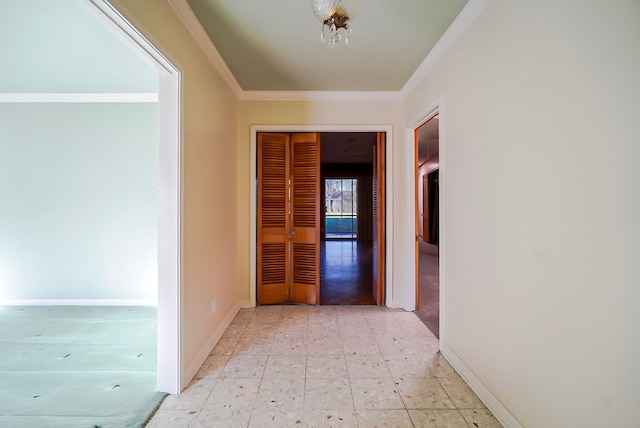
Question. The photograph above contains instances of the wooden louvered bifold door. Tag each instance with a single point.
(305, 218)
(273, 235)
(379, 219)
(288, 218)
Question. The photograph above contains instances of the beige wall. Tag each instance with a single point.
(541, 197)
(297, 113)
(208, 176)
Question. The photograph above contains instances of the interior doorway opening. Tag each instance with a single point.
(347, 258)
(169, 365)
(351, 211)
(428, 224)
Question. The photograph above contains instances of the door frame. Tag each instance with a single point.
(388, 129)
(433, 109)
(424, 219)
(169, 342)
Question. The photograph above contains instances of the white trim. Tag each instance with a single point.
(439, 109)
(434, 108)
(484, 394)
(245, 304)
(193, 25)
(321, 96)
(78, 98)
(170, 234)
(169, 343)
(388, 129)
(127, 29)
(423, 117)
(459, 25)
(78, 302)
(193, 368)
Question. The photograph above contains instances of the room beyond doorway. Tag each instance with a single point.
(346, 273)
(427, 142)
(349, 224)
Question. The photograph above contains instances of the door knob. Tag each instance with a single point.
(292, 235)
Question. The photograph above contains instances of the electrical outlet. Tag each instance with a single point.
(214, 306)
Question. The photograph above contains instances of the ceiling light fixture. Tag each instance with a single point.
(336, 15)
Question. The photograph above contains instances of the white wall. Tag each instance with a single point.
(78, 212)
(208, 190)
(62, 47)
(540, 188)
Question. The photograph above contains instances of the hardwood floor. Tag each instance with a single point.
(346, 273)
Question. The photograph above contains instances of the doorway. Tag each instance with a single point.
(427, 224)
(347, 261)
(352, 221)
(169, 198)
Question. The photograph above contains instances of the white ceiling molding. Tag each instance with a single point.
(459, 25)
(134, 37)
(321, 96)
(468, 14)
(191, 22)
(77, 98)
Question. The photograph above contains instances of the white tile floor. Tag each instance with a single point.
(325, 366)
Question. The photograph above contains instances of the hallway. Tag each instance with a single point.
(325, 366)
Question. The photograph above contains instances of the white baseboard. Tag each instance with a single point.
(78, 302)
(245, 304)
(195, 365)
(491, 401)
(396, 304)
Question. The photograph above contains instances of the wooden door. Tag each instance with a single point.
(288, 218)
(379, 219)
(273, 273)
(305, 218)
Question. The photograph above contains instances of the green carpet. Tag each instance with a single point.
(72, 366)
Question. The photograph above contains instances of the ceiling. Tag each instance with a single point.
(356, 147)
(347, 147)
(275, 45)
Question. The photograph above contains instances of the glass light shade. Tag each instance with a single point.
(336, 15)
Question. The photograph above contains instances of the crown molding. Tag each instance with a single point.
(464, 19)
(469, 13)
(320, 96)
(78, 98)
(193, 25)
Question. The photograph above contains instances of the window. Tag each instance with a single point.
(341, 207)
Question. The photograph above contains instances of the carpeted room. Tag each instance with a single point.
(78, 269)
(77, 366)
